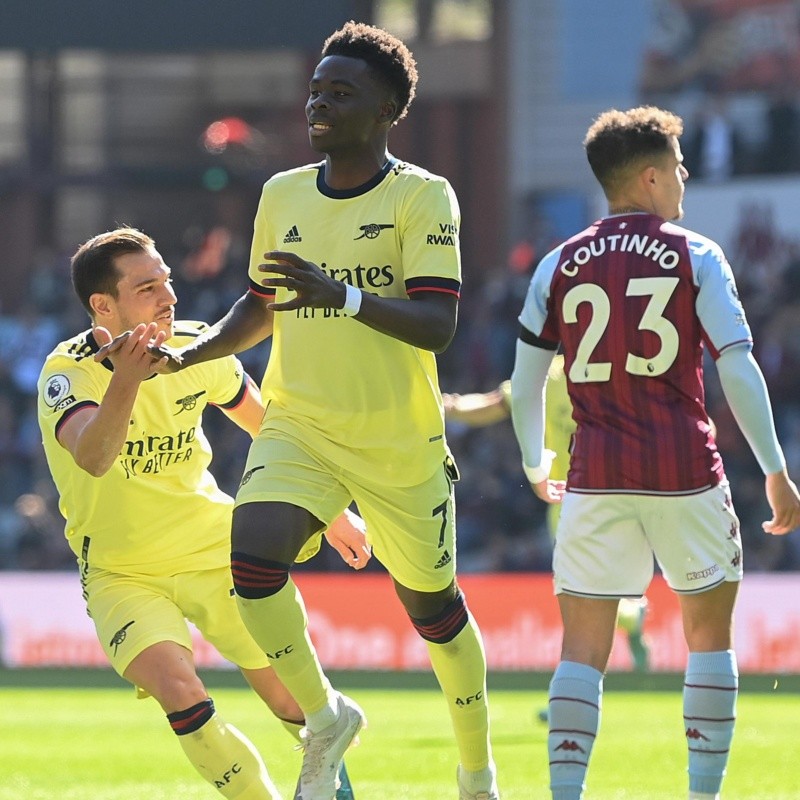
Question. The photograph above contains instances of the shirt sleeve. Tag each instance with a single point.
(64, 388)
(748, 398)
(528, 400)
(718, 306)
(227, 383)
(431, 221)
(263, 241)
(536, 309)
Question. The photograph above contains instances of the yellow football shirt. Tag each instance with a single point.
(365, 400)
(158, 510)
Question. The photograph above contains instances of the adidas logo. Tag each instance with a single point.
(292, 235)
(443, 561)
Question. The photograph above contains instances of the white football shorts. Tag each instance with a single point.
(606, 544)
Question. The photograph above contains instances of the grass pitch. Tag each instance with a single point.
(101, 743)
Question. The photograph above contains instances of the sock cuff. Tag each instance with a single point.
(720, 662)
(256, 578)
(577, 671)
(191, 719)
(446, 625)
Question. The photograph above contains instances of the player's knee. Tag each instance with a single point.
(443, 626)
(178, 691)
(256, 578)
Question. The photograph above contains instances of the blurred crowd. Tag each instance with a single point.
(501, 525)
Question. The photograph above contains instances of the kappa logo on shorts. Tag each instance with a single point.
(249, 474)
(703, 573)
(444, 560)
(119, 637)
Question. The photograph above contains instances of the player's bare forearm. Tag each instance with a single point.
(247, 323)
(427, 321)
(102, 437)
(94, 436)
(476, 410)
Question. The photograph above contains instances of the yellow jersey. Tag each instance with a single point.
(158, 510)
(365, 400)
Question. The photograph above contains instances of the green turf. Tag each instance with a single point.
(102, 744)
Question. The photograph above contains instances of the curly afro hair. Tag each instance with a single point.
(385, 54)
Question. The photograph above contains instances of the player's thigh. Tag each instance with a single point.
(280, 470)
(131, 614)
(412, 529)
(600, 549)
(207, 600)
(708, 617)
(695, 538)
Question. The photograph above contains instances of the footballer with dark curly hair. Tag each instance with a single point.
(355, 266)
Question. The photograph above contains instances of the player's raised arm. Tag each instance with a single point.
(428, 323)
(248, 322)
(94, 435)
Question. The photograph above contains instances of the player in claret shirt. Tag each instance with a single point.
(633, 300)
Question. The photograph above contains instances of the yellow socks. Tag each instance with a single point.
(221, 754)
(280, 626)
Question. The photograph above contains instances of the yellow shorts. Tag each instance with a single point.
(411, 528)
(132, 613)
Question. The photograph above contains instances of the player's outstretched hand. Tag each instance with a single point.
(165, 359)
(784, 501)
(130, 352)
(347, 536)
(549, 490)
(314, 289)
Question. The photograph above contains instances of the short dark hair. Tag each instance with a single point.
(92, 267)
(385, 54)
(618, 141)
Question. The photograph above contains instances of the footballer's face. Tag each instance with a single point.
(668, 186)
(144, 294)
(346, 106)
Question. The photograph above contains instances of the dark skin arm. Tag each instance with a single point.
(428, 322)
(247, 323)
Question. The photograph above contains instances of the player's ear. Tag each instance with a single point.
(101, 305)
(388, 111)
(649, 175)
